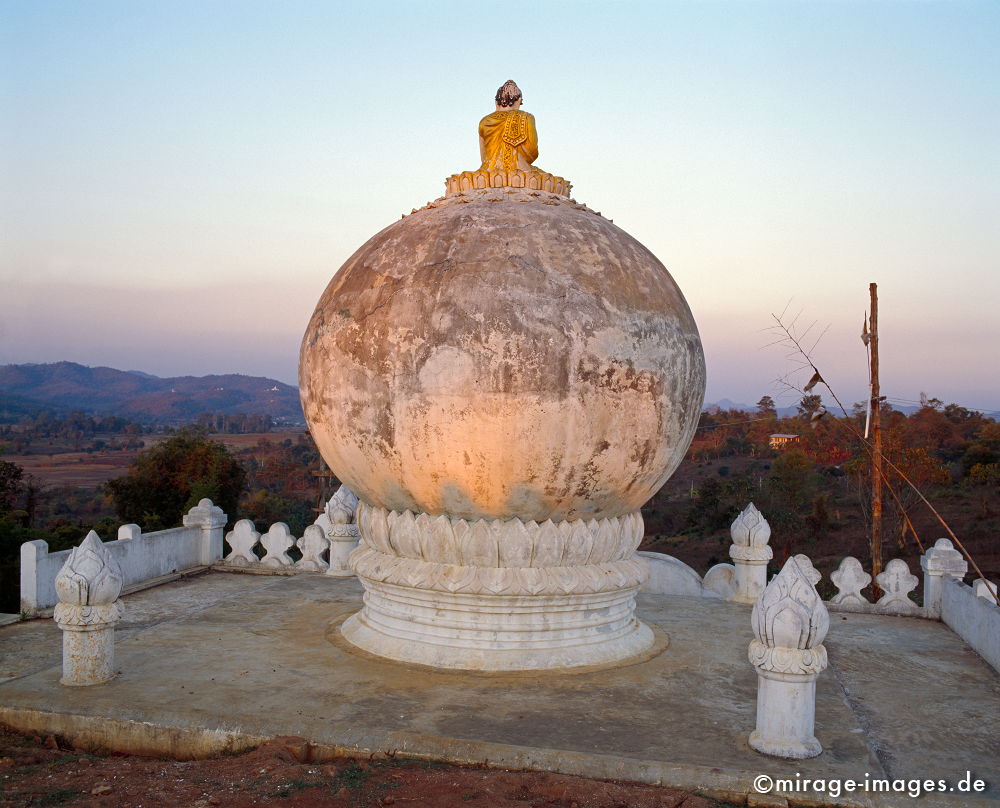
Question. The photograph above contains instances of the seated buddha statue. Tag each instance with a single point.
(507, 137)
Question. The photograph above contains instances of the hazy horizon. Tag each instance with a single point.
(183, 179)
(785, 404)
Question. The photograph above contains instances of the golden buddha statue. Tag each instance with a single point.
(507, 137)
(508, 145)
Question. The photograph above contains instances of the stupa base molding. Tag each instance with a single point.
(575, 608)
(497, 632)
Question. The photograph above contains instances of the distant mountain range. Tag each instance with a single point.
(64, 386)
(728, 404)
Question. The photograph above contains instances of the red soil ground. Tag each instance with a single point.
(37, 772)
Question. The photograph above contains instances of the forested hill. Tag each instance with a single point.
(69, 386)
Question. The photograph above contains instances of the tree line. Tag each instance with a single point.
(813, 481)
(267, 482)
(47, 432)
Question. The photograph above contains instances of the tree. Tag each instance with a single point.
(984, 450)
(717, 502)
(922, 470)
(790, 492)
(164, 482)
(264, 508)
(978, 453)
(809, 404)
(11, 476)
(985, 477)
(766, 407)
(930, 428)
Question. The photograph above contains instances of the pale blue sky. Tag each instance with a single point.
(181, 179)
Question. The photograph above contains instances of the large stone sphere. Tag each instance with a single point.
(503, 353)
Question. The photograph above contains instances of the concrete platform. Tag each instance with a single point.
(221, 661)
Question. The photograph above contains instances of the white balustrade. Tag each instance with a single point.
(142, 557)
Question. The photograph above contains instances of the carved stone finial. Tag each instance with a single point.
(340, 529)
(750, 553)
(277, 542)
(813, 575)
(242, 539)
(897, 583)
(90, 576)
(342, 506)
(312, 544)
(88, 586)
(790, 613)
(750, 528)
(850, 578)
(789, 623)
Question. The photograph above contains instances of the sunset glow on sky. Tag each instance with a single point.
(181, 179)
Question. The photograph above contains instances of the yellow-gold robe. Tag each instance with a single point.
(508, 140)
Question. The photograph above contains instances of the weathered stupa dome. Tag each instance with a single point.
(503, 353)
(514, 363)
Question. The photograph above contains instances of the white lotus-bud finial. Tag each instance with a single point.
(789, 613)
(750, 528)
(341, 507)
(789, 623)
(90, 576)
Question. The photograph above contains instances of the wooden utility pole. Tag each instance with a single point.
(324, 476)
(876, 423)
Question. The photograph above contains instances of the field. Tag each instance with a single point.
(54, 464)
(76, 469)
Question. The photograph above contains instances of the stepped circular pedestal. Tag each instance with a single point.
(503, 377)
(498, 594)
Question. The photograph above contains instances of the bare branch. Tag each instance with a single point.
(794, 342)
(819, 338)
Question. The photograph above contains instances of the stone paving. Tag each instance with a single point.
(220, 661)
